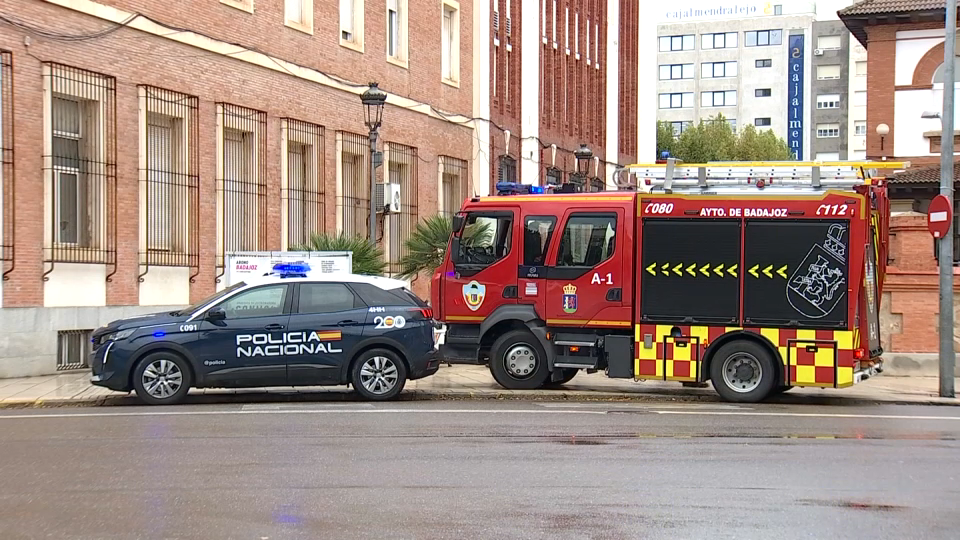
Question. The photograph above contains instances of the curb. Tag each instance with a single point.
(435, 395)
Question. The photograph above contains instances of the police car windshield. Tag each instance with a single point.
(216, 296)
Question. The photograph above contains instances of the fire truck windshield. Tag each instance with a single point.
(485, 239)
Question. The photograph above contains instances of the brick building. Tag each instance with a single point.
(904, 41)
(143, 140)
(564, 73)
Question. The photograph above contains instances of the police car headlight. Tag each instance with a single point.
(123, 334)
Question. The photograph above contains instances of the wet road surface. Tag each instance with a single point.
(475, 470)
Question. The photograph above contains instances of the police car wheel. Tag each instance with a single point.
(743, 372)
(162, 379)
(378, 374)
(518, 362)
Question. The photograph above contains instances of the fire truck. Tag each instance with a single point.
(757, 277)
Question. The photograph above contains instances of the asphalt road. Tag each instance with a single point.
(480, 470)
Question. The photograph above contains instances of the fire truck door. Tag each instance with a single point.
(585, 279)
(531, 273)
(483, 270)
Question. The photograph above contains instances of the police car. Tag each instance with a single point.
(284, 329)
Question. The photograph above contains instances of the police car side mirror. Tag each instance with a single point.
(216, 314)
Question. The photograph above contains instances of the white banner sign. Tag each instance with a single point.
(256, 264)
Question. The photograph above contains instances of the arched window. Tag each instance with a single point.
(938, 74)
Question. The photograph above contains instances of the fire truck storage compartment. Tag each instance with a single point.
(619, 352)
(689, 271)
(796, 273)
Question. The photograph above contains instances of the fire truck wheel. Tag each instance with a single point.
(518, 362)
(743, 371)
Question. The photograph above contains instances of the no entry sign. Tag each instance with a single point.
(939, 216)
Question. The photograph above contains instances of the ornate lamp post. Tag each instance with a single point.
(373, 99)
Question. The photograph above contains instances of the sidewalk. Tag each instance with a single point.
(471, 382)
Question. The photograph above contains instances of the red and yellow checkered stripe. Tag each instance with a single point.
(822, 358)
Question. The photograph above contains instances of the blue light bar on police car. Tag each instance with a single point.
(288, 270)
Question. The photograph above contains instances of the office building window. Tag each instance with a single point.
(828, 71)
(762, 92)
(829, 42)
(762, 38)
(676, 71)
(726, 40)
(760, 122)
(676, 100)
(351, 24)
(828, 101)
(763, 63)
(828, 131)
(713, 70)
(680, 127)
(677, 43)
(450, 42)
(860, 128)
(723, 98)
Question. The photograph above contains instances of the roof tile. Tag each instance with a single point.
(923, 175)
(880, 7)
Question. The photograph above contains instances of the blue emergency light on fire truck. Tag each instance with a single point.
(516, 188)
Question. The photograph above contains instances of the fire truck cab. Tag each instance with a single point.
(755, 276)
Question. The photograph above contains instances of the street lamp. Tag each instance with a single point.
(882, 131)
(583, 155)
(373, 99)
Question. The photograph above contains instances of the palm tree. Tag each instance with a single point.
(367, 257)
(427, 244)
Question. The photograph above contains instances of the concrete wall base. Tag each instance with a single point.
(28, 336)
(914, 365)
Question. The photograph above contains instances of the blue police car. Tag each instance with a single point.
(282, 329)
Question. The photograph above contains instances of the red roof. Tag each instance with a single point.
(923, 175)
(883, 7)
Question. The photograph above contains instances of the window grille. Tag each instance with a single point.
(353, 201)
(403, 172)
(80, 160)
(455, 184)
(7, 178)
(241, 180)
(73, 349)
(170, 180)
(303, 190)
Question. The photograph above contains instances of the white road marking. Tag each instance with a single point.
(811, 415)
(300, 411)
(621, 406)
(321, 411)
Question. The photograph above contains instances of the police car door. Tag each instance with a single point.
(326, 322)
(241, 340)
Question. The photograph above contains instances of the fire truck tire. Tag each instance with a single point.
(743, 371)
(518, 362)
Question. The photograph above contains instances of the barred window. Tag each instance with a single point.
(454, 184)
(353, 198)
(302, 183)
(6, 155)
(241, 180)
(80, 163)
(402, 165)
(170, 179)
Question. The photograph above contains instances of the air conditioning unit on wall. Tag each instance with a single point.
(388, 198)
(818, 52)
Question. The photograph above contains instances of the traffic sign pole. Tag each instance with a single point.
(947, 358)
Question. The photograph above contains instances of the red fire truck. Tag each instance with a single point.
(756, 276)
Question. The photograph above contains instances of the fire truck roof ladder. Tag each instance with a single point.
(761, 177)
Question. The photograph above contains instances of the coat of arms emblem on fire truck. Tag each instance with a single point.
(570, 298)
(473, 294)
